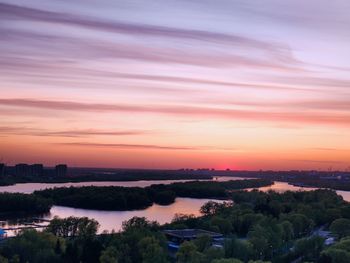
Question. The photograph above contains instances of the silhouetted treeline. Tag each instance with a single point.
(100, 198)
(206, 189)
(130, 198)
(11, 203)
(94, 174)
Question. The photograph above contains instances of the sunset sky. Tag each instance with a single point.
(237, 84)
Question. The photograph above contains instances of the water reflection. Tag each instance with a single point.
(110, 220)
(281, 187)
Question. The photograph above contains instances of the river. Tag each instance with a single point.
(112, 220)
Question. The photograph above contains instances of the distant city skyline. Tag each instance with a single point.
(176, 84)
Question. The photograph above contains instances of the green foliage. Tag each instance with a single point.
(140, 241)
(139, 223)
(341, 227)
(338, 253)
(223, 225)
(181, 221)
(188, 253)
(227, 260)
(335, 255)
(309, 248)
(151, 251)
(302, 225)
(32, 246)
(213, 253)
(212, 208)
(260, 261)
(203, 242)
(235, 248)
(82, 227)
(109, 255)
(344, 244)
(3, 259)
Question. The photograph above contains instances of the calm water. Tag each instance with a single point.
(112, 220)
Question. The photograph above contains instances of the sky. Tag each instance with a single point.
(236, 84)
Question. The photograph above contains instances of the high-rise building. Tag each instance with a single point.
(22, 169)
(2, 169)
(61, 170)
(36, 169)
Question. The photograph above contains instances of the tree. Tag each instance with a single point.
(213, 253)
(82, 227)
(336, 256)
(151, 251)
(260, 246)
(235, 248)
(224, 225)
(109, 255)
(344, 244)
(212, 208)
(164, 197)
(309, 248)
(287, 231)
(32, 246)
(188, 253)
(301, 224)
(341, 227)
(3, 259)
(139, 223)
(227, 260)
(266, 237)
(203, 242)
(258, 261)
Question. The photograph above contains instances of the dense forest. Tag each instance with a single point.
(15, 203)
(130, 198)
(258, 227)
(100, 198)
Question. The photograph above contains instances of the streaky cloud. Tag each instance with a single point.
(147, 146)
(68, 133)
(312, 117)
(22, 12)
(128, 146)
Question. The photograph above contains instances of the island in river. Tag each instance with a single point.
(132, 198)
